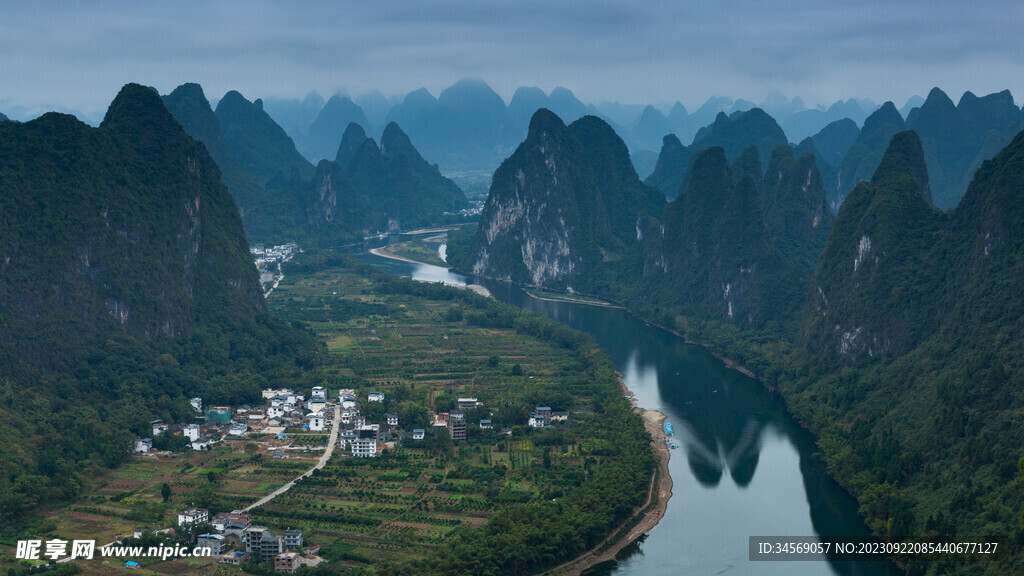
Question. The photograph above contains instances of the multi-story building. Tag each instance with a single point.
(540, 417)
(293, 538)
(316, 422)
(261, 541)
(365, 444)
(287, 562)
(193, 516)
(457, 424)
(215, 542)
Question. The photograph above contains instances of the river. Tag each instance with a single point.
(743, 467)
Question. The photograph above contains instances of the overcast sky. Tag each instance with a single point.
(76, 55)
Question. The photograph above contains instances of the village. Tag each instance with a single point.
(279, 428)
(288, 412)
(268, 261)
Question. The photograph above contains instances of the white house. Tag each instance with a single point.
(347, 414)
(197, 404)
(365, 444)
(193, 516)
(275, 412)
(540, 417)
(316, 422)
(316, 404)
(319, 393)
(238, 429)
(375, 397)
(158, 427)
(346, 439)
(202, 444)
(418, 434)
(392, 419)
(269, 393)
(284, 394)
(191, 432)
(467, 403)
(143, 445)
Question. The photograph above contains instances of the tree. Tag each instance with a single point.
(165, 491)
(252, 449)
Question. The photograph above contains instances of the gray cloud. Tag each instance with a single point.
(76, 55)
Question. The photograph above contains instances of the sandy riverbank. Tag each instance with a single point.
(420, 231)
(657, 500)
(385, 254)
(474, 287)
(600, 303)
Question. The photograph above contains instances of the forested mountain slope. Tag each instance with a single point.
(126, 286)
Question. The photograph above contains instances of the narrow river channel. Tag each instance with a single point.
(743, 467)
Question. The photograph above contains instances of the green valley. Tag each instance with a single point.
(431, 506)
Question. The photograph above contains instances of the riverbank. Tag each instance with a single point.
(571, 300)
(436, 229)
(729, 363)
(646, 517)
(474, 287)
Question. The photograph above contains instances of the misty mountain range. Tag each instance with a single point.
(470, 127)
(468, 130)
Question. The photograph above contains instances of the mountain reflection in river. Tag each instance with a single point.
(747, 469)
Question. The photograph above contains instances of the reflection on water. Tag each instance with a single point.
(743, 468)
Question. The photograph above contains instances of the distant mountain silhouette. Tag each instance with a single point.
(256, 143)
(733, 134)
(863, 157)
(957, 139)
(325, 132)
(400, 188)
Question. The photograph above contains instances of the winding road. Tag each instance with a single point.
(331, 443)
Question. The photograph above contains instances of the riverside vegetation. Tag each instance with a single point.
(894, 337)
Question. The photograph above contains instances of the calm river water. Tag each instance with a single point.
(743, 467)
